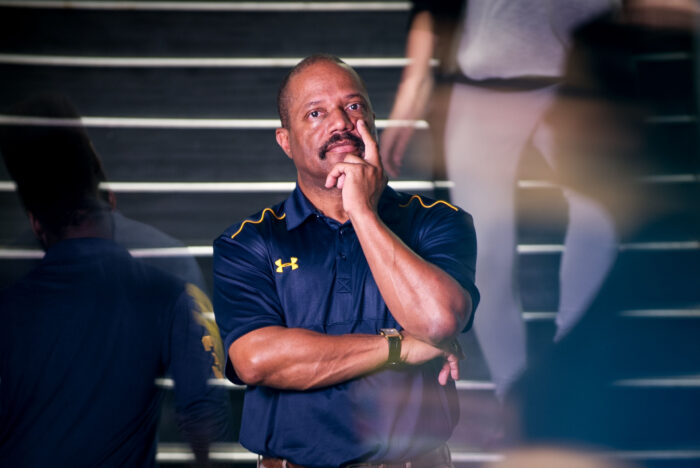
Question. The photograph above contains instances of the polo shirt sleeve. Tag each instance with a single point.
(448, 240)
(245, 296)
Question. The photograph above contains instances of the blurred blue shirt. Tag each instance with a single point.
(82, 339)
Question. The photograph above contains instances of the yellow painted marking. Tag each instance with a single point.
(212, 340)
(420, 200)
(262, 216)
(281, 266)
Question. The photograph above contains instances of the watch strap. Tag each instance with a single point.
(394, 338)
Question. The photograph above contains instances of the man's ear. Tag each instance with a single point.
(38, 229)
(282, 135)
(112, 200)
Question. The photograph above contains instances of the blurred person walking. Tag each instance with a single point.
(503, 76)
(625, 378)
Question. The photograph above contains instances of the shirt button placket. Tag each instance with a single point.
(343, 267)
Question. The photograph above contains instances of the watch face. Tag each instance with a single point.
(390, 332)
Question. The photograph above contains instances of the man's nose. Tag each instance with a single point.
(340, 121)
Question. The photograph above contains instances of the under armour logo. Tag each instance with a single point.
(281, 266)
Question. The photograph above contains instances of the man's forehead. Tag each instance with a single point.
(324, 77)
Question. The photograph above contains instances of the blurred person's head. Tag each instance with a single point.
(54, 166)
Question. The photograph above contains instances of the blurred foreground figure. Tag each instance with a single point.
(85, 334)
(126, 232)
(626, 376)
(507, 64)
(340, 306)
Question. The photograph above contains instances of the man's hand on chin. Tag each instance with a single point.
(361, 180)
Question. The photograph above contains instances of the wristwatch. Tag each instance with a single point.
(393, 336)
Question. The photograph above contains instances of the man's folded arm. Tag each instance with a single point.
(423, 297)
(300, 359)
(421, 288)
(262, 350)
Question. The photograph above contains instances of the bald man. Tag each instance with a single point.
(340, 306)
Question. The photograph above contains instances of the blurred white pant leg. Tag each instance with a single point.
(485, 135)
(590, 247)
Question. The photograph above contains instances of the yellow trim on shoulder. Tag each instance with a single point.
(262, 216)
(420, 200)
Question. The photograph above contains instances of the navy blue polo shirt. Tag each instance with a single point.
(290, 266)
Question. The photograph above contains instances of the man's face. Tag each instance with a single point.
(325, 101)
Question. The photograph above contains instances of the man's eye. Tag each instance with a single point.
(314, 114)
(355, 106)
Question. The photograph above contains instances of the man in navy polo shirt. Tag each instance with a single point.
(339, 307)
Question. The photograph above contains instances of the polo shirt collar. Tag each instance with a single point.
(68, 250)
(298, 208)
(388, 207)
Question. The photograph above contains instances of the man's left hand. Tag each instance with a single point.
(361, 180)
(450, 368)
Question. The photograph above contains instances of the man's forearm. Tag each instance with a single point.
(425, 300)
(300, 359)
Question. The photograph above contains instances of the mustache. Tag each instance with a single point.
(337, 138)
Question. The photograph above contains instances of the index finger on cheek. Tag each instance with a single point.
(366, 135)
(371, 149)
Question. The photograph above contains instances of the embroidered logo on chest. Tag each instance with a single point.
(281, 266)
